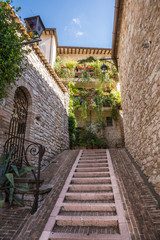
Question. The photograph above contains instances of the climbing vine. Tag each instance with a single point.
(12, 52)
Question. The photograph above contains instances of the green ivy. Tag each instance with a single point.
(12, 53)
(72, 125)
(85, 77)
(89, 59)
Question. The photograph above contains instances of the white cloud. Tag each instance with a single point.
(79, 34)
(76, 21)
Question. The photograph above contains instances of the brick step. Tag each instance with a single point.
(102, 221)
(89, 196)
(80, 236)
(93, 169)
(91, 174)
(94, 158)
(91, 180)
(94, 152)
(93, 161)
(89, 207)
(86, 230)
(87, 213)
(90, 187)
(81, 165)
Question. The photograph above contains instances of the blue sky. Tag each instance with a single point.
(83, 23)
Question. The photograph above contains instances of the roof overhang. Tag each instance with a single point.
(83, 50)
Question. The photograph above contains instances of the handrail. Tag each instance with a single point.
(32, 148)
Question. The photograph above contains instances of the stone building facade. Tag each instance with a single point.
(136, 44)
(47, 113)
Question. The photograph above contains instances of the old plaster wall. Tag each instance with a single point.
(47, 121)
(48, 47)
(139, 70)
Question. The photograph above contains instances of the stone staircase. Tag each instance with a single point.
(89, 206)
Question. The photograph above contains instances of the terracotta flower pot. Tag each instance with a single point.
(89, 147)
(95, 147)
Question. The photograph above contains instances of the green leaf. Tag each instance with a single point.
(10, 177)
(18, 201)
(25, 170)
(11, 192)
(15, 169)
(21, 188)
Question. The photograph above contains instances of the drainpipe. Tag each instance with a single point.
(50, 54)
(115, 27)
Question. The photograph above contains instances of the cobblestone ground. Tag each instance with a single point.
(17, 223)
(141, 208)
(142, 211)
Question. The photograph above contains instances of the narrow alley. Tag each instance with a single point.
(75, 200)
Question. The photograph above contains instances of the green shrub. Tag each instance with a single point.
(72, 125)
(12, 52)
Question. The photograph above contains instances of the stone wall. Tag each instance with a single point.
(47, 121)
(82, 56)
(139, 71)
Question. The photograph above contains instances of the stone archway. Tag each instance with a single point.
(18, 123)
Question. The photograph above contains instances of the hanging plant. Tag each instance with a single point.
(84, 110)
(99, 106)
(85, 77)
(114, 111)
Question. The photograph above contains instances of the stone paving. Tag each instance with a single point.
(141, 208)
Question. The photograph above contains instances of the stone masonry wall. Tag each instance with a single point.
(139, 70)
(47, 121)
(81, 56)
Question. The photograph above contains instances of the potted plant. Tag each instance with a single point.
(8, 171)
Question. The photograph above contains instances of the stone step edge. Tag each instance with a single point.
(92, 169)
(89, 196)
(92, 174)
(92, 161)
(94, 157)
(94, 164)
(79, 236)
(102, 180)
(90, 187)
(88, 207)
(101, 221)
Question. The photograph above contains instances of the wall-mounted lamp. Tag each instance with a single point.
(35, 27)
(104, 66)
